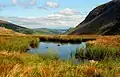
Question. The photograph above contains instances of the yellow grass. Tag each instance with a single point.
(4, 31)
(112, 41)
(49, 68)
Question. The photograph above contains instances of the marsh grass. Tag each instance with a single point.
(16, 43)
(66, 38)
(30, 65)
(99, 52)
(16, 64)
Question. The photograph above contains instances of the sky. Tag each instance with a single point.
(47, 13)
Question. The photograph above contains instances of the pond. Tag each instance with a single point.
(64, 50)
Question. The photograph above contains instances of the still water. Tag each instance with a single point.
(65, 51)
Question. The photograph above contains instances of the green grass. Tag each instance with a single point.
(17, 28)
(99, 52)
(16, 43)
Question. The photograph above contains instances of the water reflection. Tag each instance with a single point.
(65, 51)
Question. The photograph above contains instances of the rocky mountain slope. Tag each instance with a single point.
(104, 20)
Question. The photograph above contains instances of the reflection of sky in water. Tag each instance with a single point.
(64, 50)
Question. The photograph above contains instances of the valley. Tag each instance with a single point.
(91, 49)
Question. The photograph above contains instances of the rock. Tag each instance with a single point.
(93, 62)
(58, 45)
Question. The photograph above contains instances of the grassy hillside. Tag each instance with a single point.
(16, 28)
(4, 31)
(25, 30)
(44, 31)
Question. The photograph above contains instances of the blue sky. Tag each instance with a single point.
(47, 13)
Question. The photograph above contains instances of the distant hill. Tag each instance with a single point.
(25, 30)
(49, 31)
(16, 28)
(104, 20)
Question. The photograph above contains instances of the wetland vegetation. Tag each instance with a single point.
(15, 62)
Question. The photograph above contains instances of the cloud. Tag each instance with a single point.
(14, 2)
(24, 4)
(48, 5)
(52, 4)
(42, 7)
(33, 2)
(28, 4)
(69, 11)
(57, 20)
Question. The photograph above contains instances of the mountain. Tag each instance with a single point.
(49, 31)
(15, 28)
(104, 20)
(69, 30)
(59, 31)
